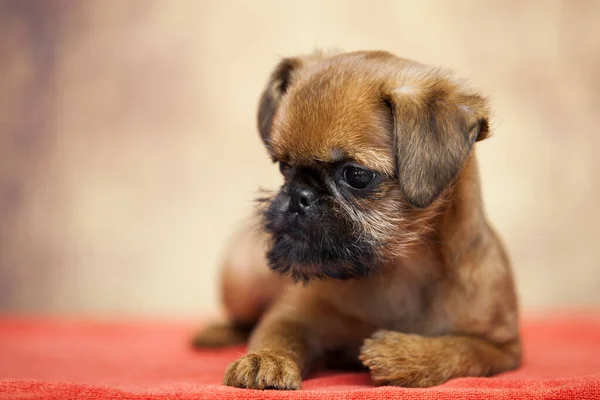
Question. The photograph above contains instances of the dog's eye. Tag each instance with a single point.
(283, 167)
(357, 177)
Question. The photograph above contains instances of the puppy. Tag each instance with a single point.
(379, 249)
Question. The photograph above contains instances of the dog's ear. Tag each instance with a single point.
(277, 85)
(280, 80)
(436, 122)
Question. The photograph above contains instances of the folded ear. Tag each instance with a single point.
(281, 78)
(276, 87)
(436, 122)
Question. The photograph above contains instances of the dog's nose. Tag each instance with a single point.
(302, 198)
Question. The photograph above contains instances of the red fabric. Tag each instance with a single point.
(50, 359)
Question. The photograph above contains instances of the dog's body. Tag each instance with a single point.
(402, 272)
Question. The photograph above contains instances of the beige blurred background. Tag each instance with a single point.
(128, 148)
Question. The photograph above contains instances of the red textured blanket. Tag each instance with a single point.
(50, 359)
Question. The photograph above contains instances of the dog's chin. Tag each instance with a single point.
(304, 259)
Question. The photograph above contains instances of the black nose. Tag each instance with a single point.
(302, 198)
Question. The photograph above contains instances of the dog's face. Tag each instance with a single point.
(367, 144)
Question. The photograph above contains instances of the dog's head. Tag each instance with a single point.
(368, 144)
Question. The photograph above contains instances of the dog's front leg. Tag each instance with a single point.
(408, 360)
(281, 350)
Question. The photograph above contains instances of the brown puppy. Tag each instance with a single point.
(378, 238)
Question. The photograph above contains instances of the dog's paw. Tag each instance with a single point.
(399, 359)
(219, 335)
(264, 370)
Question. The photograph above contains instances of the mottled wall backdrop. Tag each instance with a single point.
(128, 148)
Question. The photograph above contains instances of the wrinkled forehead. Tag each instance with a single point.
(329, 121)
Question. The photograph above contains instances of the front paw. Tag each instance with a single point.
(264, 370)
(400, 359)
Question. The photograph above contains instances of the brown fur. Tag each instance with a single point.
(441, 302)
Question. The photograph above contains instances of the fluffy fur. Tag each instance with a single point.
(405, 276)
